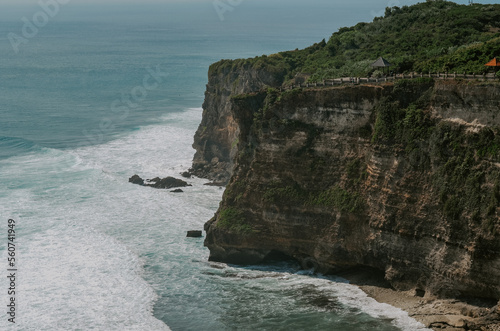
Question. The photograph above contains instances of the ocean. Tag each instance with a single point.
(100, 93)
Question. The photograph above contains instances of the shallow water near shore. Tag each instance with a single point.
(98, 253)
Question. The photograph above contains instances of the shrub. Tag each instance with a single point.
(233, 219)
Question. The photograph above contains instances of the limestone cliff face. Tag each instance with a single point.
(401, 178)
(216, 138)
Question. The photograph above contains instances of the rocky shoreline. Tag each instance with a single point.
(433, 312)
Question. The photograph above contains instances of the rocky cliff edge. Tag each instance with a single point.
(401, 178)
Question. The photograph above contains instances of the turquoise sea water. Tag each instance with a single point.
(99, 95)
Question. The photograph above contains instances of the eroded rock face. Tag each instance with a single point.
(398, 178)
(216, 139)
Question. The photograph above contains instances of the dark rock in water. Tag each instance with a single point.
(177, 191)
(186, 174)
(194, 234)
(168, 182)
(135, 179)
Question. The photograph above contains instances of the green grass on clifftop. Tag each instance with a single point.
(437, 36)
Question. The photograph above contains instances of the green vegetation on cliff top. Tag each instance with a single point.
(436, 36)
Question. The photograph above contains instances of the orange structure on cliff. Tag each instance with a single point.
(494, 63)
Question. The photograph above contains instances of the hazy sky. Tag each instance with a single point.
(331, 13)
(356, 6)
(361, 3)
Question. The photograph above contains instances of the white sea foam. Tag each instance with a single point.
(353, 296)
(158, 150)
(333, 289)
(72, 274)
(78, 279)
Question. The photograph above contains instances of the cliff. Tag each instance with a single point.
(400, 178)
(216, 139)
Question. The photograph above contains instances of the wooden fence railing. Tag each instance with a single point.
(358, 80)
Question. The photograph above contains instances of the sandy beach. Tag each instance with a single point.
(435, 313)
